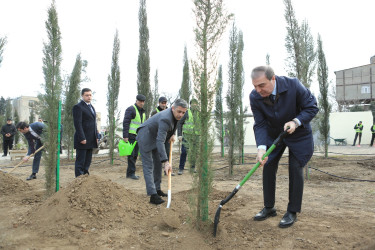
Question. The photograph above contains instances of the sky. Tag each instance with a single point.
(88, 27)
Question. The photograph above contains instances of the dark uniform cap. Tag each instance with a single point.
(9, 119)
(162, 99)
(141, 97)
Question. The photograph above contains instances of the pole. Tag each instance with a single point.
(222, 134)
(58, 149)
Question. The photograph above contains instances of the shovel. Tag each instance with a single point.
(22, 161)
(230, 196)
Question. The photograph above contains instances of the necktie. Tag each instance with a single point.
(92, 110)
(272, 98)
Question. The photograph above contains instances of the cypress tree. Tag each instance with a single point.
(324, 106)
(211, 20)
(185, 90)
(3, 42)
(50, 100)
(112, 95)
(72, 96)
(143, 65)
(155, 91)
(219, 112)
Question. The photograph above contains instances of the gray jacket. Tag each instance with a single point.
(158, 129)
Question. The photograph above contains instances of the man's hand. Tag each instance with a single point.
(180, 138)
(172, 139)
(261, 152)
(167, 167)
(26, 158)
(83, 142)
(126, 139)
(7, 135)
(292, 127)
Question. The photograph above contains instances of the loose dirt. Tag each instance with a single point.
(106, 210)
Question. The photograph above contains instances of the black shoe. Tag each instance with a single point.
(3, 155)
(134, 177)
(265, 213)
(31, 177)
(155, 199)
(161, 193)
(288, 219)
(180, 172)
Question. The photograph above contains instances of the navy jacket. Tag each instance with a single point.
(8, 128)
(37, 127)
(85, 126)
(130, 115)
(294, 101)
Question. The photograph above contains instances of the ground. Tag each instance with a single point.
(106, 210)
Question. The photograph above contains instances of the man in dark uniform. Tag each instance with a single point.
(8, 131)
(162, 106)
(32, 133)
(280, 103)
(358, 133)
(134, 117)
(85, 137)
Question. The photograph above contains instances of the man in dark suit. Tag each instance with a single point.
(151, 138)
(8, 131)
(85, 137)
(32, 133)
(280, 103)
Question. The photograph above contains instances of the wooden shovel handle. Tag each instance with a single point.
(19, 164)
(170, 171)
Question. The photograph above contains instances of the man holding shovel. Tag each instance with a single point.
(277, 103)
(151, 138)
(32, 133)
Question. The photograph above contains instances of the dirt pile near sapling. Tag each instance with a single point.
(10, 185)
(88, 204)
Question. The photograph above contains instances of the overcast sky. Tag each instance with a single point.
(88, 27)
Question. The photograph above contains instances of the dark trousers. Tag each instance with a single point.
(167, 148)
(295, 182)
(83, 161)
(37, 157)
(7, 144)
(372, 139)
(359, 139)
(132, 159)
(184, 153)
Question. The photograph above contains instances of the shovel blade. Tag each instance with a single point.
(217, 219)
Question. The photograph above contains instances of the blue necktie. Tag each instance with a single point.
(92, 110)
(272, 98)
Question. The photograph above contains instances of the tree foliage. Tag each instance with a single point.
(299, 44)
(3, 42)
(185, 91)
(219, 112)
(155, 91)
(72, 95)
(112, 95)
(211, 20)
(50, 99)
(324, 105)
(143, 66)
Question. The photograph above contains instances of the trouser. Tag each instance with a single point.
(295, 182)
(132, 159)
(37, 157)
(372, 139)
(152, 169)
(184, 153)
(167, 148)
(83, 161)
(359, 139)
(7, 144)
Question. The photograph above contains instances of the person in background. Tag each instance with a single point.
(373, 134)
(134, 117)
(86, 134)
(358, 133)
(8, 131)
(33, 134)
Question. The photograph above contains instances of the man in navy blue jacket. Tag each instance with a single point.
(85, 137)
(279, 103)
(32, 133)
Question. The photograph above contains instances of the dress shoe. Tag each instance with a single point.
(134, 177)
(3, 155)
(265, 213)
(172, 174)
(31, 177)
(155, 199)
(161, 193)
(180, 172)
(288, 219)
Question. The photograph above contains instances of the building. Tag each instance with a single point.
(25, 106)
(356, 85)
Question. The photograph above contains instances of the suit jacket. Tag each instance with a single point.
(85, 126)
(293, 100)
(37, 127)
(158, 129)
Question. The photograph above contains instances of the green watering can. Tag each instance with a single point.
(125, 148)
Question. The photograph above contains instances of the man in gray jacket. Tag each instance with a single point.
(151, 138)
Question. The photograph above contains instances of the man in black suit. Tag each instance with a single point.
(85, 137)
(8, 131)
(33, 134)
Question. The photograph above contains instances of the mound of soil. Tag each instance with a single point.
(10, 185)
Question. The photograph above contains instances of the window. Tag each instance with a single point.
(365, 90)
